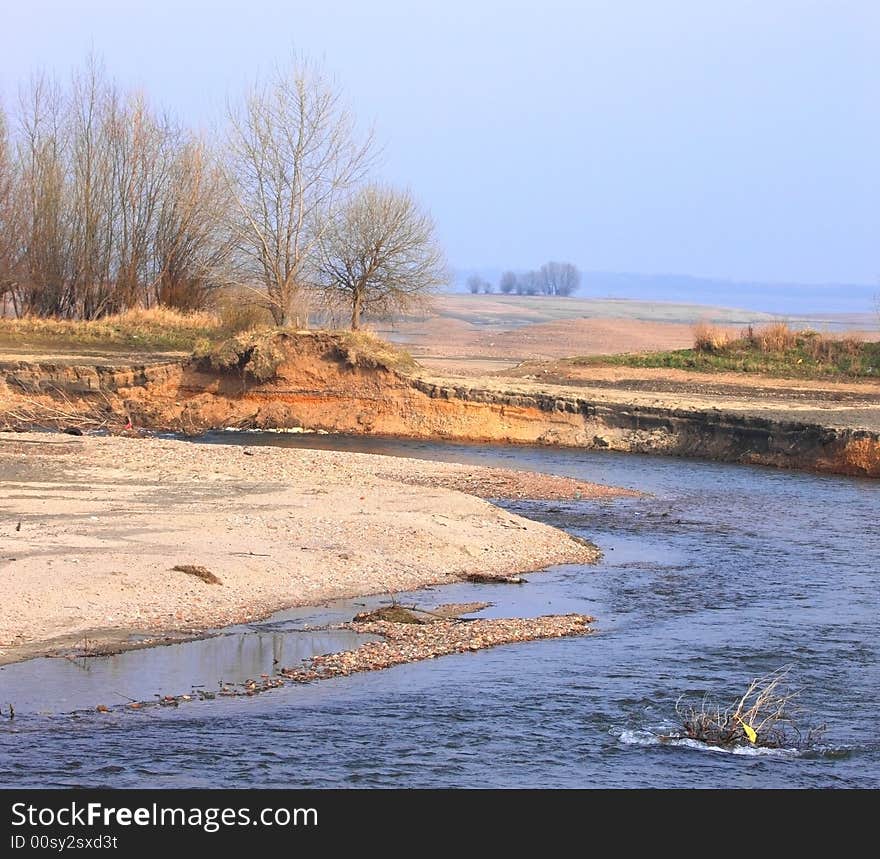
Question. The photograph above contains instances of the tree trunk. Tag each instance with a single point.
(356, 310)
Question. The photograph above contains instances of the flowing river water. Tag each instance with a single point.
(723, 573)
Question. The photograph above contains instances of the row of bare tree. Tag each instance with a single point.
(107, 204)
(553, 278)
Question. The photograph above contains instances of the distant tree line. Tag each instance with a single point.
(107, 203)
(553, 278)
(477, 284)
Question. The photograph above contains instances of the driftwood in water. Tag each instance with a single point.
(392, 613)
(494, 579)
(764, 716)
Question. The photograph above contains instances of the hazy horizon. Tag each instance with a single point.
(732, 141)
(777, 298)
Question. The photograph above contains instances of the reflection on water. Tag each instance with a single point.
(725, 573)
(63, 685)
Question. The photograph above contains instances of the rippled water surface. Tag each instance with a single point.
(725, 572)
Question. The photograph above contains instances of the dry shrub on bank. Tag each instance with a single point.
(365, 349)
(238, 314)
(818, 346)
(56, 410)
(775, 337)
(851, 344)
(710, 338)
(258, 354)
(825, 349)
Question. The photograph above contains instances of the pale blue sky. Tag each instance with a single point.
(730, 139)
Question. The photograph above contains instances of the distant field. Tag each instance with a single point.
(461, 333)
(465, 333)
(506, 311)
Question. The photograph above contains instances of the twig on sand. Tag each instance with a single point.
(199, 572)
(93, 413)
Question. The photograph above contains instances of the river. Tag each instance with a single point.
(723, 573)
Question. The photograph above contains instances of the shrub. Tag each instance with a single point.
(851, 344)
(775, 337)
(238, 314)
(819, 347)
(258, 354)
(710, 338)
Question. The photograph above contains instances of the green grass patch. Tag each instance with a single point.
(811, 356)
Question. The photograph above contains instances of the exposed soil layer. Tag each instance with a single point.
(322, 384)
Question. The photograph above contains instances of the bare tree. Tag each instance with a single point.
(143, 151)
(293, 157)
(115, 202)
(380, 255)
(477, 284)
(559, 278)
(106, 203)
(192, 247)
(91, 197)
(507, 284)
(45, 286)
(529, 283)
(10, 219)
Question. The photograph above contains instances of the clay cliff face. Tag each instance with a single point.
(320, 383)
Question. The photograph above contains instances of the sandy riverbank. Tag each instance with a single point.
(91, 528)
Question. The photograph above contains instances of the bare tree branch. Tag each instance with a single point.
(380, 255)
(292, 158)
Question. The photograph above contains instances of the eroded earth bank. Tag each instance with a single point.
(343, 383)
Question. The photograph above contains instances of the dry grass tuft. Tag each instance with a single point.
(258, 354)
(365, 349)
(159, 329)
(710, 338)
(775, 337)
